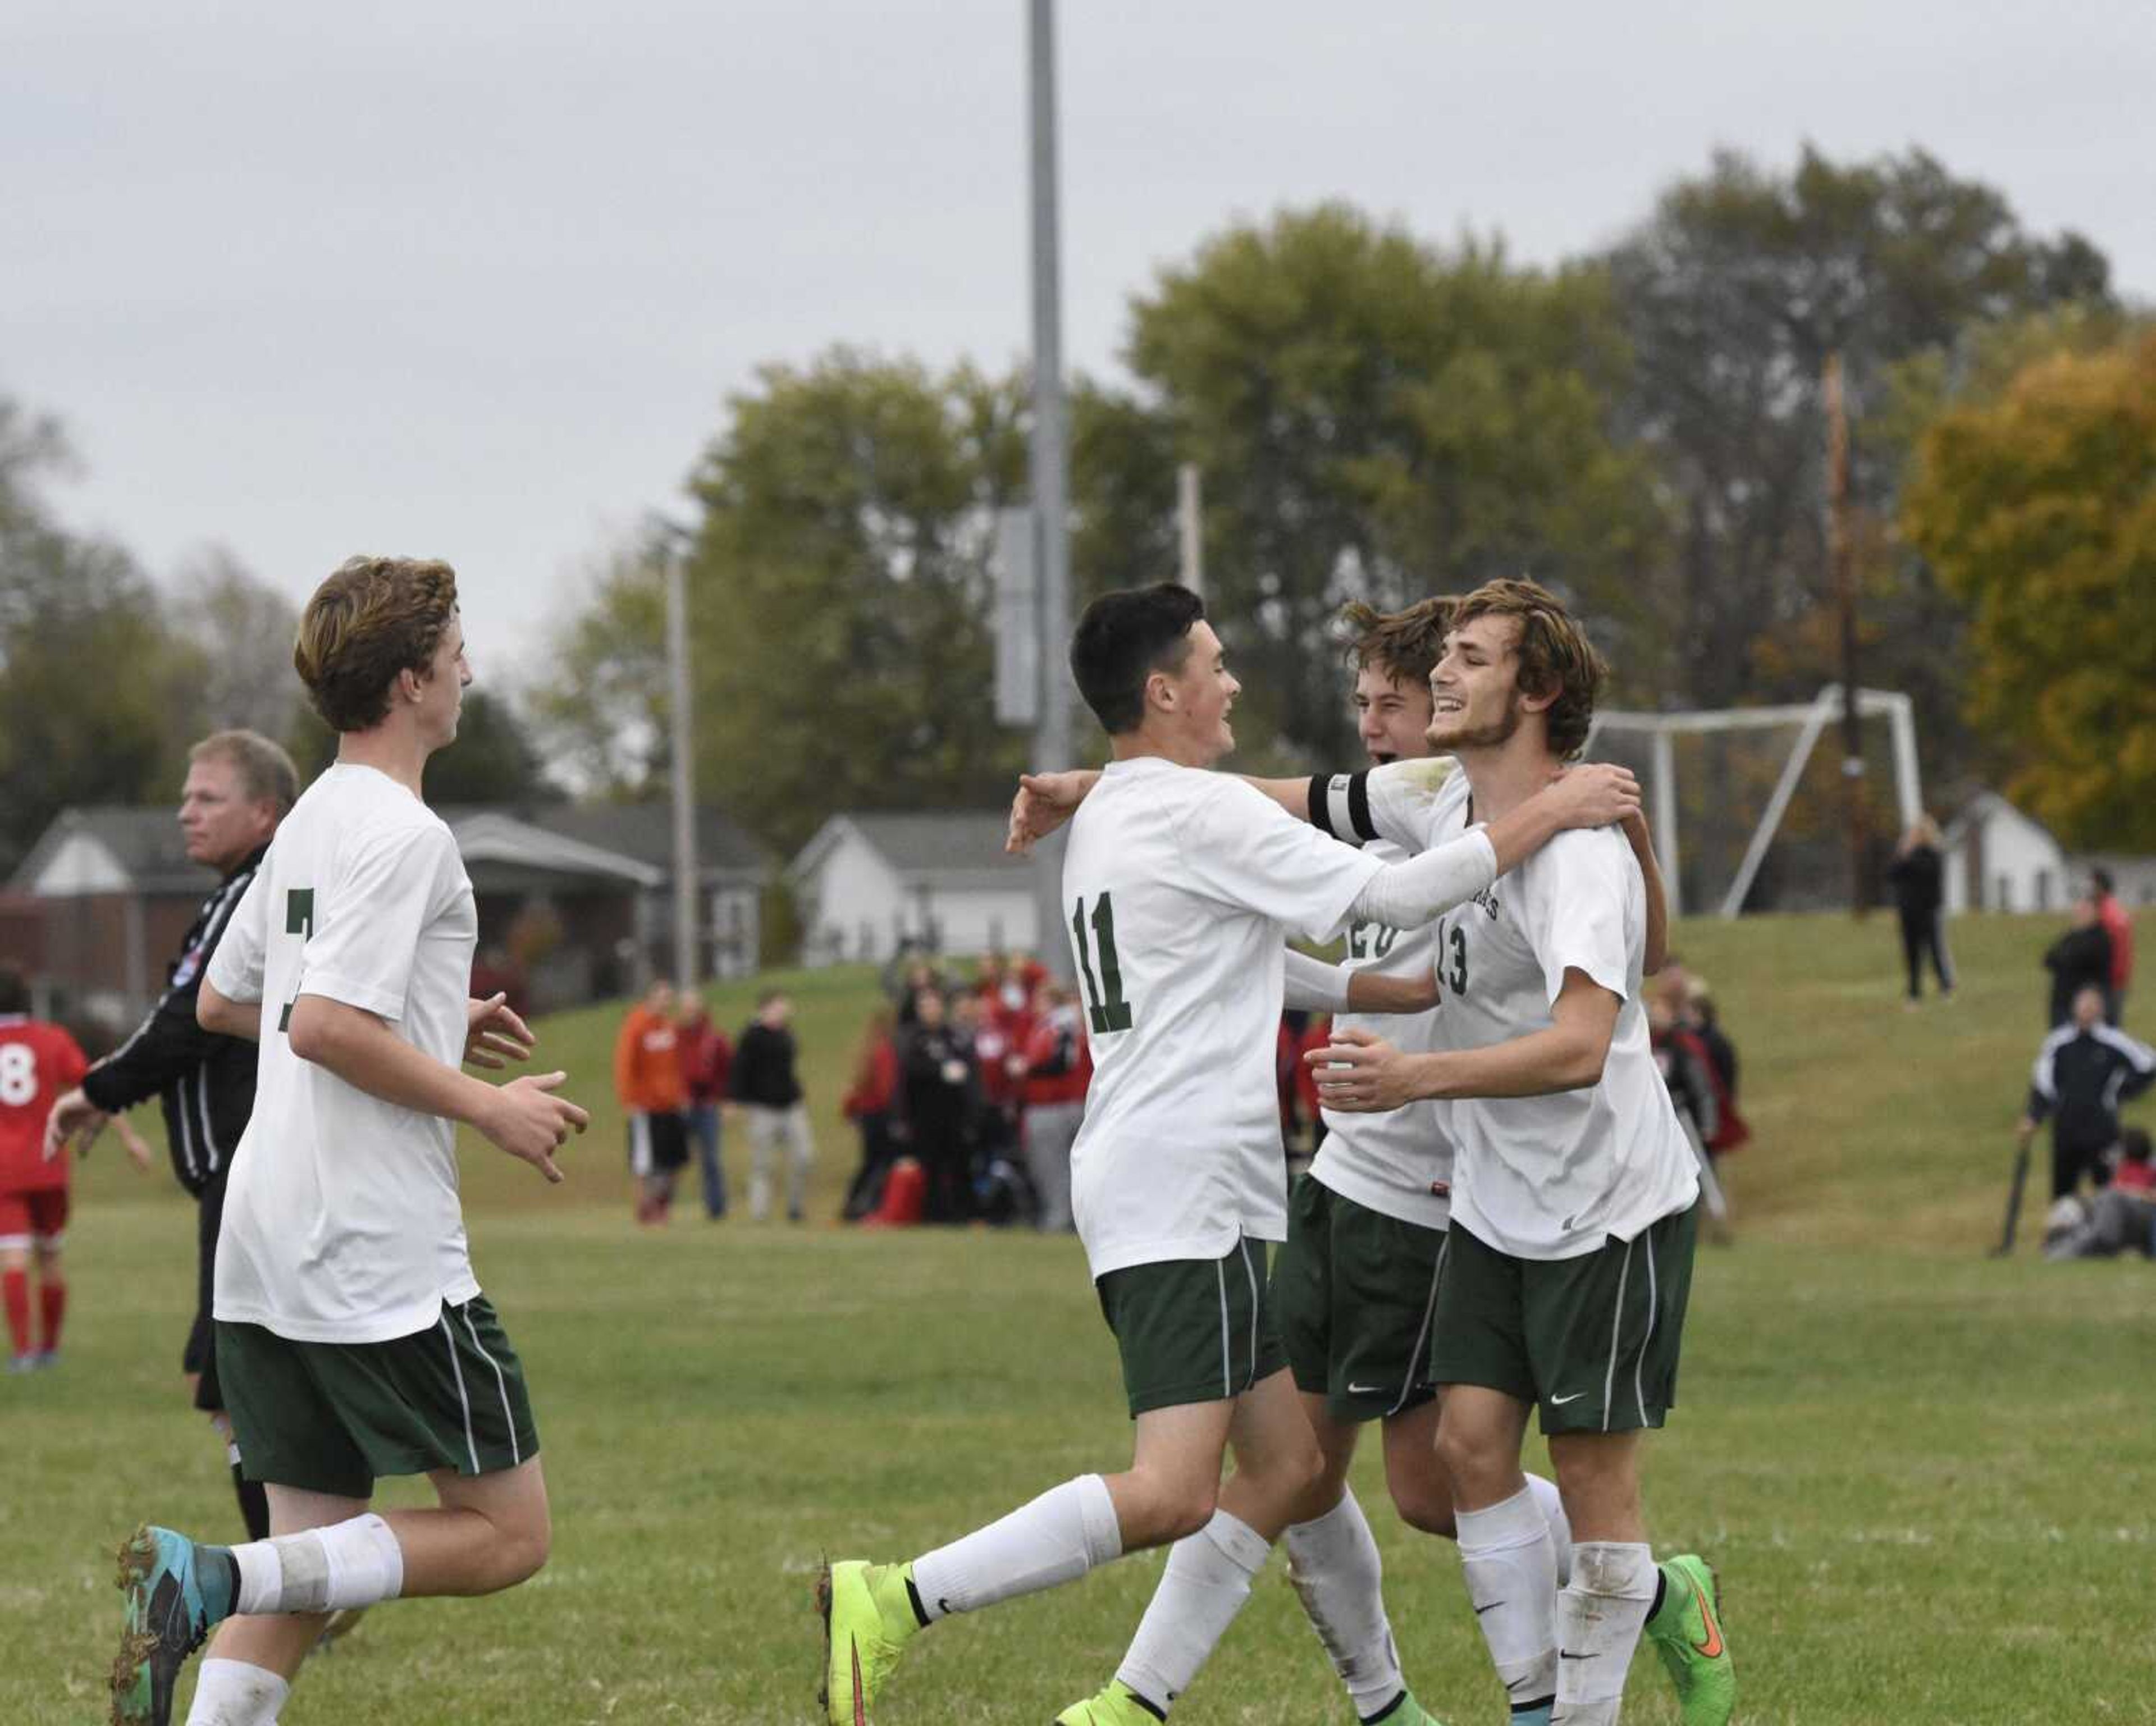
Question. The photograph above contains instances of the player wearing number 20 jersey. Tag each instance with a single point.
(1180, 885)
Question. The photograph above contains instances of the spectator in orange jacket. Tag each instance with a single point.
(655, 1094)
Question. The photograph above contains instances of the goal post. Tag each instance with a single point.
(1658, 733)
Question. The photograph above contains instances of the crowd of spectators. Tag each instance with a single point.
(967, 1092)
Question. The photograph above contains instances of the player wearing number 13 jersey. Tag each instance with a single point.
(1180, 887)
(1568, 1260)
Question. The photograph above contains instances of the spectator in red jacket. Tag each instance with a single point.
(869, 1101)
(707, 1055)
(1058, 1070)
(2119, 927)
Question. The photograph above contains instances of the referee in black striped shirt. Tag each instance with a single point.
(239, 787)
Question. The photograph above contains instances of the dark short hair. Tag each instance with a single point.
(14, 992)
(1125, 637)
(2133, 1144)
(2102, 877)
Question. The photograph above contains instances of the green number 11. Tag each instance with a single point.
(1107, 1011)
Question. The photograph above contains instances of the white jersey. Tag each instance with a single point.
(1549, 1177)
(1388, 1163)
(341, 1221)
(1179, 886)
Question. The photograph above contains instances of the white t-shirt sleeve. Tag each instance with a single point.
(235, 968)
(1244, 850)
(389, 886)
(1578, 889)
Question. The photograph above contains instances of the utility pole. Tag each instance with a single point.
(1841, 564)
(683, 777)
(1190, 526)
(1050, 464)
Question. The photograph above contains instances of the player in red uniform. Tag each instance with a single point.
(38, 1062)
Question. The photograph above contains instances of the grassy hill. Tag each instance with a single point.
(1874, 1125)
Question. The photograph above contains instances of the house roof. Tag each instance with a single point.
(947, 847)
(628, 842)
(146, 843)
(1986, 806)
(641, 831)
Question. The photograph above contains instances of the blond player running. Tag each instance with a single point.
(353, 1340)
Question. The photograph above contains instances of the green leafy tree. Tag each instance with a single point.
(840, 593)
(97, 701)
(1734, 293)
(1373, 418)
(601, 715)
(2038, 509)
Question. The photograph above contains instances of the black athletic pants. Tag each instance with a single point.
(1925, 932)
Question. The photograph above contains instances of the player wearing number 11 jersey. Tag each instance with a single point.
(1180, 888)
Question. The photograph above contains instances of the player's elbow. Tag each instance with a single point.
(213, 1012)
(312, 1030)
(1581, 1061)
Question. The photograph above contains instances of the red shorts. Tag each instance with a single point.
(39, 1215)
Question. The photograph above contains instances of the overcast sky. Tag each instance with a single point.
(473, 279)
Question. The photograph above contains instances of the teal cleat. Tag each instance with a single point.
(1686, 1633)
(174, 1599)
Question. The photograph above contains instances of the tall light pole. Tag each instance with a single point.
(1841, 565)
(683, 775)
(1050, 463)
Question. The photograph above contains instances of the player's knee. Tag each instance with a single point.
(523, 1553)
(1467, 1453)
(1425, 1507)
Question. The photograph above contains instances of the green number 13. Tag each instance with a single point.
(1107, 1009)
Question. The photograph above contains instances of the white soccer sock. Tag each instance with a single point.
(1332, 1560)
(1510, 1565)
(1599, 1617)
(357, 1562)
(1550, 1502)
(1208, 1578)
(1058, 1537)
(231, 1693)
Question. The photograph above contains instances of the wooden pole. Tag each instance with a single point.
(1841, 565)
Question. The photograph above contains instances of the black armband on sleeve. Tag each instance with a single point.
(1340, 805)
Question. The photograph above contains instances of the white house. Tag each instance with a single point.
(1998, 858)
(867, 881)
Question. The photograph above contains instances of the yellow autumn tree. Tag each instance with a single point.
(2038, 509)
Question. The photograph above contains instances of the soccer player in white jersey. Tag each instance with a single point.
(352, 1339)
(1574, 1200)
(1180, 886)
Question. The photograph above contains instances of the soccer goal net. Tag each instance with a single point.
(1746, 803)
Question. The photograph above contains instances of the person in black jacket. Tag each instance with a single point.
(2079, 959)
(939, 1083)
(764, 1083)
(1918, 875)
(2085, 1070)
(239, 786)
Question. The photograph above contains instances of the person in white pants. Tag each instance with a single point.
(764, 1082)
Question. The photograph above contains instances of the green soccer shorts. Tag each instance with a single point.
(331, 1417)
(1355, 1293)
(1192, 1330)
(1592, 1342)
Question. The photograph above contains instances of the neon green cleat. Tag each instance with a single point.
(1118, 1705)
(1686, 1633)
(1408, 1712)
(868, 1618)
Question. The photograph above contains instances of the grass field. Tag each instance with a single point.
(1926, 1476)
